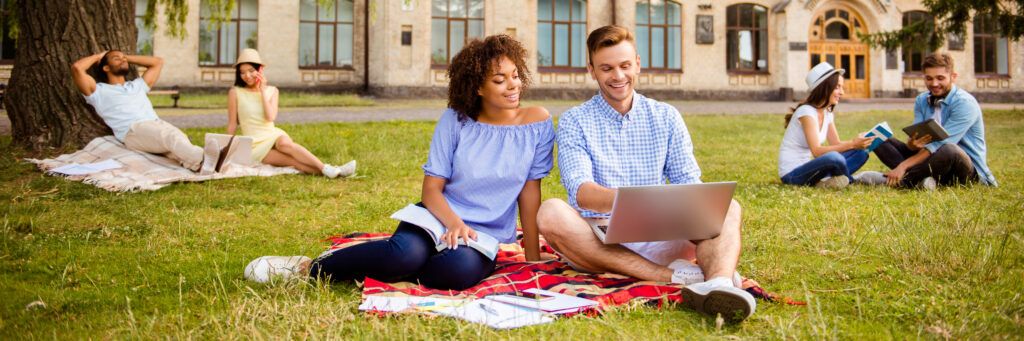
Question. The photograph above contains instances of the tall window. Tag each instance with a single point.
(7, 45)
(219, 44)
(747, 38)
(561, 33)
(912, 58)
(453, 23)
(991, 54)
(325, 34)
(658, 34)
(144, 43)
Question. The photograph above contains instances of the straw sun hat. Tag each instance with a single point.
(249, 56)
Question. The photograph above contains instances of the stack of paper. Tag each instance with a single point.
(547, 301)
(86, 169)
(485, 311)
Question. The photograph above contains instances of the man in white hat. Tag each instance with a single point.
(125, 108)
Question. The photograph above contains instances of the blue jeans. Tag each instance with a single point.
(830, 164)
(408, 255)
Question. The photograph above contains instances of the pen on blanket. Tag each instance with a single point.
(487, 309)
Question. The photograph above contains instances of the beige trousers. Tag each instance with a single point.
(159, 137)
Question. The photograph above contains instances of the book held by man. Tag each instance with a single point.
(927, 127)
(419, 216)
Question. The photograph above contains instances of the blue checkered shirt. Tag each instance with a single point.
(649, 145)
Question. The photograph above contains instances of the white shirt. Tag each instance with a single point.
(794, 150)
(122, 105)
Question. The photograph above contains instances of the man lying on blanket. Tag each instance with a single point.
(126, 109)
(598, 152)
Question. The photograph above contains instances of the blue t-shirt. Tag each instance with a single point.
(486, 167)
(122, 105)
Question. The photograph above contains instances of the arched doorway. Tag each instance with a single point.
(833, 39)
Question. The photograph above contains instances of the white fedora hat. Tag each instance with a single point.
(249, 56)
(819, 73)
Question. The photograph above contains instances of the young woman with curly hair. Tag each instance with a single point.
(487, 158)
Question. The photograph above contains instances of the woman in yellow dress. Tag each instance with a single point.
(252, 105)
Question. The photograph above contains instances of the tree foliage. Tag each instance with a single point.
(950, 17)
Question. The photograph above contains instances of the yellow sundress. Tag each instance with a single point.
(253, 122)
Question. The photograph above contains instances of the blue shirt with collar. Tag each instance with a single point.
(649, 145)
(961, 117)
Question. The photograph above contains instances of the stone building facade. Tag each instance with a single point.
(704, 49)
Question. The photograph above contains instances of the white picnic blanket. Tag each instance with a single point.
(142, 171)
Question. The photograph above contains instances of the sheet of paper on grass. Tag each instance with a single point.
(496, 315)
(556, 304)
(88, 168)
(390, 304)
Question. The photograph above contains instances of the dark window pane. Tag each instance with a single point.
(979, 54)
(307, 10)
(544, 55)
(476, 8)
(844, 15)
(345, 10)
(579, 10)
(439, 8)
(658, 12)
(325, 54)
(562, 10)
(344, 45)
(861, 67)
(844, 62)
(760, 17)
(579, 42)
(642, 12)
(746, 16)
(247, 10)
(730, 16)
(307, 44)
(837, 30)
(562, 45)
(831, 59)
(543, 9)
(815, 59)
(439, 41)
(643, 45)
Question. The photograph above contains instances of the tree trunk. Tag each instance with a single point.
(46, 110)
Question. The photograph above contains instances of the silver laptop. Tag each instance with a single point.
(665, 212)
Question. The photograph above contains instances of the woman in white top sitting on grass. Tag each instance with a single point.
(803, 160)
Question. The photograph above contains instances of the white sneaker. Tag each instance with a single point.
(833, 182)
(347, 169)
(211, 151)
(330, 171)
(266, 268)
(719, 297)
(685, 272)
(870, 178)
(929, 184)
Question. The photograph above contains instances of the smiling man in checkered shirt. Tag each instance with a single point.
(621, 138)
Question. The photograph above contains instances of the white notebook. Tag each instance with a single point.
(419, 216)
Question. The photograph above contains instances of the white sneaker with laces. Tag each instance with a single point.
(266, 268)
(929, 184)
(347, 170)
(870, 178)
(833, 182)
(685, 272)
(330, 171)
(719, 296)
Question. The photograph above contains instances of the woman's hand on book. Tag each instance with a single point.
(451, 237)
(861, 142)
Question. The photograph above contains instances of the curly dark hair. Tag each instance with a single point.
(471, 66)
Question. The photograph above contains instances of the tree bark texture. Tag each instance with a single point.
(46, 110)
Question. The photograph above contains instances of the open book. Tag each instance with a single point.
(928, 127)
(881, 132)
(419, 216)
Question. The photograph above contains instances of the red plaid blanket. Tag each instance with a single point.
(515, 274)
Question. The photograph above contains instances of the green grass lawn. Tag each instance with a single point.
(872, 263)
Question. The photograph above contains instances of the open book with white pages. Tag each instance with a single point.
(419, 216)
(547, 301)
(881, 132)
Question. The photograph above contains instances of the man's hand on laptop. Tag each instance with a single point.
(451, 237)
